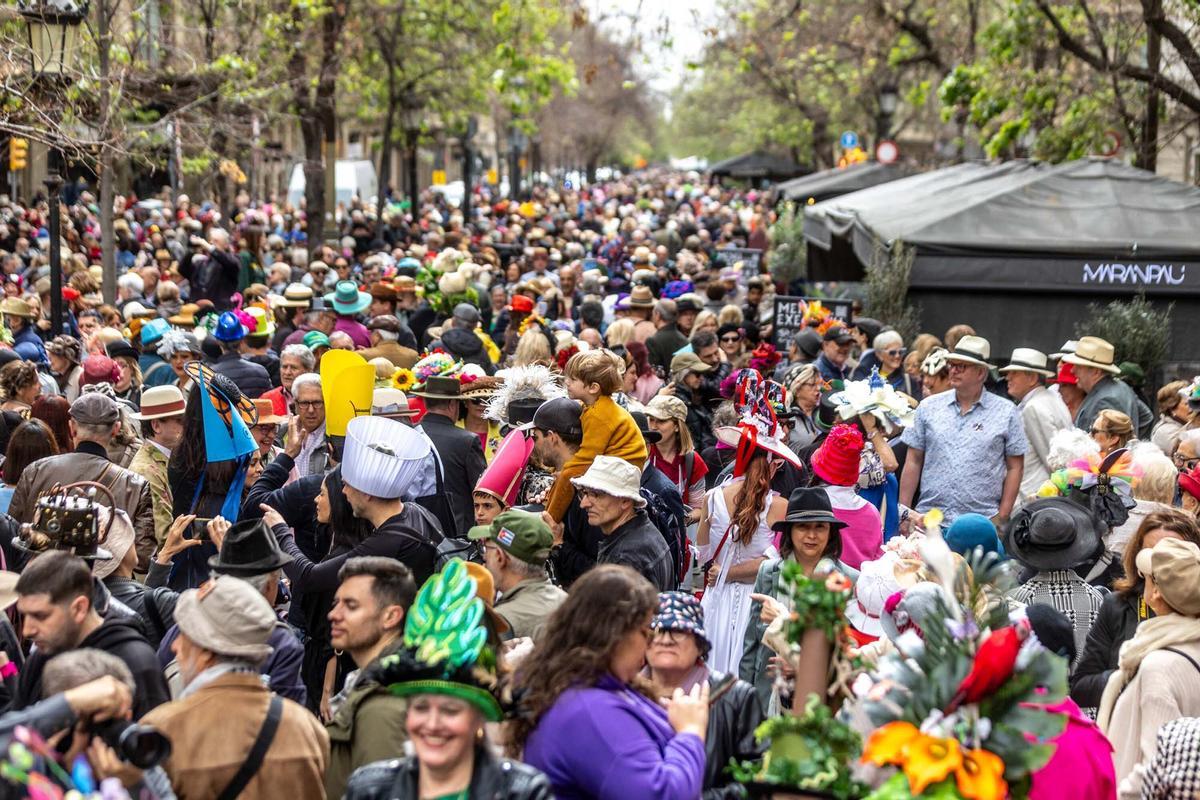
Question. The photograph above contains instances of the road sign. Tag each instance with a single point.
(439, 177)
(887, 152)
(849, 140)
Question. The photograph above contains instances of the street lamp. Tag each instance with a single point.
(517, 142)
(889, 99)
(411, 117)
(53, 29)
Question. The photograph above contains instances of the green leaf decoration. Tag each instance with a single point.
(443, 625)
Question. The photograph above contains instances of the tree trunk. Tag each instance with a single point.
(591, 170)
(385, 150)
(108, 261)
(313, 135)
(1147, 152)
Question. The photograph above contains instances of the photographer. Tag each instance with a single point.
(90, 697)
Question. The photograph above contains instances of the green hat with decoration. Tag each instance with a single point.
(445, 646)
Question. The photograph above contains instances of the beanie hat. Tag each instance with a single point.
(969, 531)
(836, 460)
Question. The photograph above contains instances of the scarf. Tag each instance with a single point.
(216, 671)
(1158, 633)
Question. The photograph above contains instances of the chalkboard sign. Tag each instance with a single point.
(749, 256)
(789, 316)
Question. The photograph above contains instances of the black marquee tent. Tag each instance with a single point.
(1019, 249)
(757, 167)
(838, 181)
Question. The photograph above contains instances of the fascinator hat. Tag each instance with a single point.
(758, 427)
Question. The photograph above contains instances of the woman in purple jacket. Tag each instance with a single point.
(587, 719)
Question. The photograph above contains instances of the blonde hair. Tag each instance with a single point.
(620, 332)
(603, 367)
(730, 315)
(704, 319)
(1169, 396)
(922, 346)
(1115, 423)
(532, 348)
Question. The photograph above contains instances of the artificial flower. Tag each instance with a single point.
(929, 759)
(403, 379)
(837, 582)
(981, 776)
(887, 745)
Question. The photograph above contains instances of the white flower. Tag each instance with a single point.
(862, 685)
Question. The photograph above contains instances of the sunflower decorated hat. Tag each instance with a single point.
(445, 646)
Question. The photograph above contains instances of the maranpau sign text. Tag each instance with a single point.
(1135, 274)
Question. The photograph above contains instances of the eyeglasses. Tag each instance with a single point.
(734, 339)
(958, 366)
(310, 404)
(1095, 431)
(898, 351)
(1185, 464)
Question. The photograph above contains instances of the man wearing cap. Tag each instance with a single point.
(224, 628)
(251, 378)
(515, 548)
(609, 493)
(95, 420)
(387, 332)
(1043, 413)
(461, 341)
(667, 338)
(834, 361)
(1096, 374)
(55, 598)
(161, 417)
(966, 447)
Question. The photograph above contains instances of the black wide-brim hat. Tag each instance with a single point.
(1053, 533)
(440, 387)
(249, 549)
(808, 505)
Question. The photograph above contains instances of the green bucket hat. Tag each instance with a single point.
(314, 339)
(522, 535)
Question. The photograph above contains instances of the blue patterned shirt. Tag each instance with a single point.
(964, 453)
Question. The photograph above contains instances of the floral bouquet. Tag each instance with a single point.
(874, 396)
(952, 708)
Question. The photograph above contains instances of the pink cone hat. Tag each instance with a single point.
(502, 479)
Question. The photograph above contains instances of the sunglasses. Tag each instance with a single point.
(731, 339)
(899, 351)
(1095, 431)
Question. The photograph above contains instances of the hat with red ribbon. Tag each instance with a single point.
(758, 427)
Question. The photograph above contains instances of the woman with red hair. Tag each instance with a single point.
(641, 382)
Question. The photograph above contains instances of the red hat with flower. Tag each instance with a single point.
(836, 460)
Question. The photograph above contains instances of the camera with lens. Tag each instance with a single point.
(140, 745)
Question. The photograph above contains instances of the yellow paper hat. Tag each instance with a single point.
(347, 383)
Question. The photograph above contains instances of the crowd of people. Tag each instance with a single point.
(502, 507)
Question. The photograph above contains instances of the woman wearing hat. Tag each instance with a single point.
(675, 660)
(1158, 673)
(19, 387)
(935, 373)
(65, 354)
(809, 534)
(735, 535)
(1125, 607)
(588, 719)
(448, 674)
(674, 454)
(129, 379)
(836, 467)
(476, 395)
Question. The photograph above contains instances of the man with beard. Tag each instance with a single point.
(55, 600)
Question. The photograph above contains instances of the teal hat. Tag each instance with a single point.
(347, 299)
(153, 330)
(314, 339)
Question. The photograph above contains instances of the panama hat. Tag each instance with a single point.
(296, 295)
(971, 350)
(1092, 351)
(347, 299)
(1025, 359)
(159, 402)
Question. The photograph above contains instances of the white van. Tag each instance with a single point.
(351, 177)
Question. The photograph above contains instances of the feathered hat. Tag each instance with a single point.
(758, 427)
(523, 391)
(445, 646)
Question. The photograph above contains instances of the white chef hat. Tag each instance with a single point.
(383, 456)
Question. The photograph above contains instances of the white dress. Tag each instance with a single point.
(727, 605)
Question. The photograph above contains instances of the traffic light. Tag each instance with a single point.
(18, 154)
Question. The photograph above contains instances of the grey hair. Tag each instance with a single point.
(341, 337)
(525, 569)
(307, 379)
(261, 582)
(884, 338)
(101, 434)
(666, 310)
(299, 351)
(387, 336)
(77, 667)
(131, 280)
(1191, 436)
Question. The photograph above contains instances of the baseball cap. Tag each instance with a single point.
(561, 415)
(838, 334)
(689, 362)
(94, 408)
(467, 313)
(522, 535)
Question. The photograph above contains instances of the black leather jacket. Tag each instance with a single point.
(734, 711)
(1115, 624)
(493, 779)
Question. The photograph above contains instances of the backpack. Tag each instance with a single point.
(668, 514)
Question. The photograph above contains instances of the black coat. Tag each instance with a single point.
(295, 501)
(734, 711)
(492, 779)
(580, 544)
(640, 545)
(462, 464)
(1114, 625)
(212, 277)
(662, 346)
(251, 378)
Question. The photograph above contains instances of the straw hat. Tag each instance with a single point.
(1092, 351)
(1026, 359)
(159, 402)
(971, 350)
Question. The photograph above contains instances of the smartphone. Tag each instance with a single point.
(200, 528)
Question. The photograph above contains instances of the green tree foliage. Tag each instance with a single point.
(1138, 331)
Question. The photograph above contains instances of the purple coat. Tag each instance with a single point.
(355, 329)
(609, 742)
